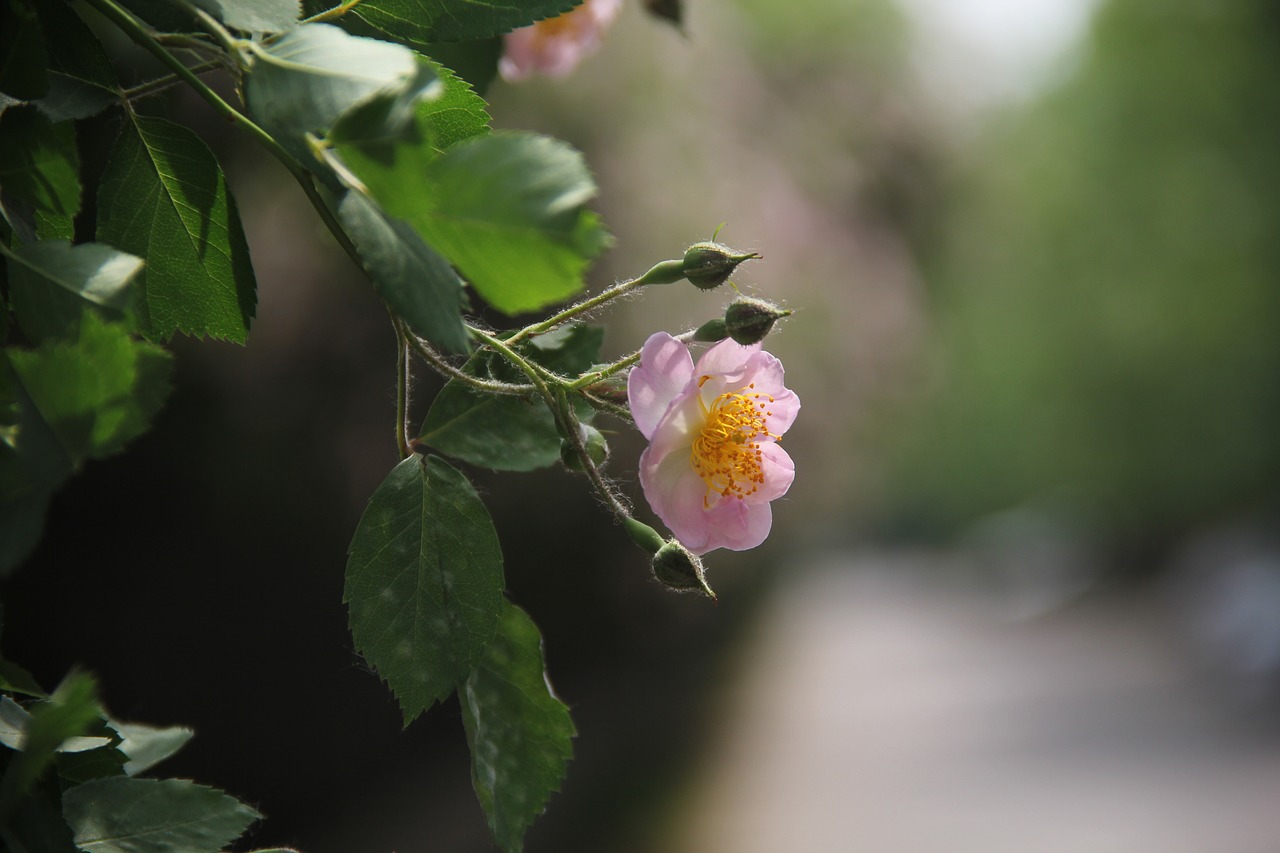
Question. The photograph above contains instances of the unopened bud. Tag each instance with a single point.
(709, 265)
(711, 331)
(597, 448)
(679, 569)
(748, 320)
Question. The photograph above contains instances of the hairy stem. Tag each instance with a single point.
(403, 375)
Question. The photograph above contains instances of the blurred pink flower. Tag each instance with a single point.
(555, 46)
(713, 463)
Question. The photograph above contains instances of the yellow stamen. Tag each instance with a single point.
(726, 454)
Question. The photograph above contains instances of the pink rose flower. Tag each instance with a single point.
(713, 463)
(555, 46)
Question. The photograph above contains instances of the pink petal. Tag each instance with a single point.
(736, 525)
(767, 374)
(664, 371)
(779, 472)
(676, 493)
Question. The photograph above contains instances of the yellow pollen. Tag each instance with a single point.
(726, 454)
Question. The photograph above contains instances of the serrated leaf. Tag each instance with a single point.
(520, 733)
(70, 712)
(418, 284)
(38, 162)
(146, 746)
(456, 20)
(93, 394)
(52, 283)
(508, 210)
(302, 83)
(127, 815)
(424, 582)
(255, 16)
(508, 433)
(164, 198)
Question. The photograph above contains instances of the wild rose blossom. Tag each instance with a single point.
(555, 46)
(713, 463)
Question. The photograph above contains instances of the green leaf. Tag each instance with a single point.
(569, 350)
(424, 582)
(506, 209)
(82, 81)
(452, 113)
(163, 15)
(504, 433)
(15, 679)
(23, 61)
(456, 20)
(38, 825)
(51, 284)
(302, 83)
(418, 284)
(38, 162)
(69, 712)
(146, 746)
(520, 734)
(255, 16)
(458, 113)
(93, 394)
(126, 815)
(508, 433)
(164, 198)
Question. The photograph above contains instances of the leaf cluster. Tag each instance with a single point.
(376, 110)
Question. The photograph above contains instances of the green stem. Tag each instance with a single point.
(442, 366)
(618, 366)
(403, 372)
(161, 84)
(660, 273)
(332, 14)
(565, 419)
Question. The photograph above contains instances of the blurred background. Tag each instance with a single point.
(1025, 591)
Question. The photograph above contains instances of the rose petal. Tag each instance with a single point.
(779, 472)
(676, 493)
(664, 371)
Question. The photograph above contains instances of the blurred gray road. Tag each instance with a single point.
(877, 712)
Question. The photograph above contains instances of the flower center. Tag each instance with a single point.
(726, 454)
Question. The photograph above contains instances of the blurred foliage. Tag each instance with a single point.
(1105, 297)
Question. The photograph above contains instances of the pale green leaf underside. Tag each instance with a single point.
(520, 734)
(257, 16)
(302, 83)
(424, 582)
(126, 815)
(52, 282)
(165, 199)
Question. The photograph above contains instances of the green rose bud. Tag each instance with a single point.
(709, 265)
(592, 440)
(748, 320)
(678, 569)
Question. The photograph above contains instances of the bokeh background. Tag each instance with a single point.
(1025, 592)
